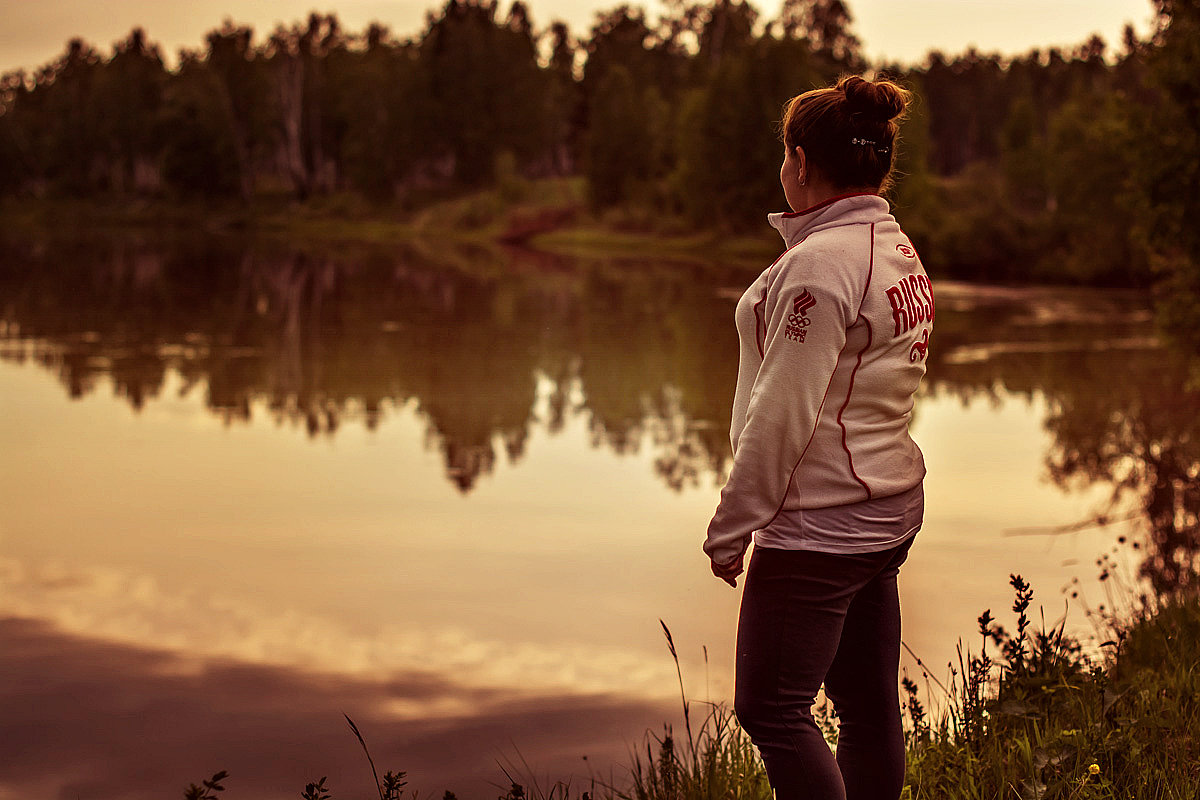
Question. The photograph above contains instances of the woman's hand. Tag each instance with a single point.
(728, 572)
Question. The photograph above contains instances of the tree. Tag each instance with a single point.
(485, 89)
(17, 161)
(240, 93)
(826, 26)
(727, 28)
(199, 149)
(618, 139)
(1170, 164)
(129, 95)
(563, 102)
(307, 133)
(377, 101)
(727, 150)
(619, 38)
(1090, 163)
(64, 112)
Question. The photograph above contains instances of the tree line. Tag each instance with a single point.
(1072, 164)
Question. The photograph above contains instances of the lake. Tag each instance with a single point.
(452, 490)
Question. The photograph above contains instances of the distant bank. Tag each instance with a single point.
(550, 215)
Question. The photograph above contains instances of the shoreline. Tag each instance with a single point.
(559, 226)
(546, 217)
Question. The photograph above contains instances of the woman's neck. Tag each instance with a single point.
(819, 192)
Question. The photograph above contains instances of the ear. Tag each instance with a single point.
(801, 165)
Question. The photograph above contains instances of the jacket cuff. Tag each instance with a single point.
(726, 552)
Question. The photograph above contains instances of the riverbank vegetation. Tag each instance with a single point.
(1069, 166)
(1031, 714)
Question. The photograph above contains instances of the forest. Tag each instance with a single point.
(1074, 166)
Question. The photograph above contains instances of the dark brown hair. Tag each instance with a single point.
(848, 131)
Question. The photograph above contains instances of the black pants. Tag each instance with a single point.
(809, 618)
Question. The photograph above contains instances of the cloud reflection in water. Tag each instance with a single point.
(93, 719)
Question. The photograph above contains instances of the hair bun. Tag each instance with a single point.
(877, 100)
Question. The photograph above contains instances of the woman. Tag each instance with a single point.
(825, 480)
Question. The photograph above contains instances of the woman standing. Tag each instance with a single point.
(825, 480)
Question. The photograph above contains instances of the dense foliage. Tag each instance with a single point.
(1072, 166)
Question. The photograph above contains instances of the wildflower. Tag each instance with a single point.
(1094, 769)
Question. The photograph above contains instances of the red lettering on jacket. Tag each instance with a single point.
(927, 293)
(914, 305)
(920, 349)
(899, 310)
(914, 283)
(911, 300)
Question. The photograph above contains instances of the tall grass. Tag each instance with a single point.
(715, 760)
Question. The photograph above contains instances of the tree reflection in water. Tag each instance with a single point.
(465, 334)
(645, 352)
(1134, 425)
(1123, 410)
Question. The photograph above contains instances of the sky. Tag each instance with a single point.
(35, 31)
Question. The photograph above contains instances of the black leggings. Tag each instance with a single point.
(809, 618)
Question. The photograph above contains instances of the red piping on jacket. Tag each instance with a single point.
(853, 372)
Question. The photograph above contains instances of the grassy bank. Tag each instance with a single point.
(1030, 716)
(550, 215)
(1027, 715)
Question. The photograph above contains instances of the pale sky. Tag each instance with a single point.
(35, 31)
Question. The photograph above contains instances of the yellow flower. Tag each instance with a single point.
(1094, 769)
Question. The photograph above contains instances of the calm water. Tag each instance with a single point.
(451, 492)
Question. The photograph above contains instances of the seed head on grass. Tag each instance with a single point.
(393, 783)
(687, 722)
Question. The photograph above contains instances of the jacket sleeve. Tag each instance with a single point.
(786, 400)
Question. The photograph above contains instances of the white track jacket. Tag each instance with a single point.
(833, 339)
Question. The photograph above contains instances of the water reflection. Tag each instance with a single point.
(88, 718)
(647, 348)
(323, 336)
(1134, 424)
(1123, 410)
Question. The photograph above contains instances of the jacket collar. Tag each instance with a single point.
(846, 209)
